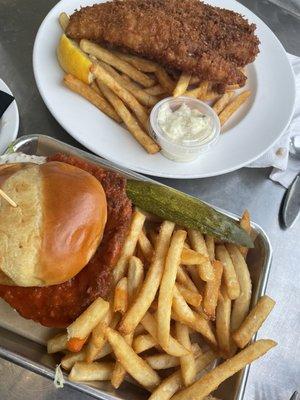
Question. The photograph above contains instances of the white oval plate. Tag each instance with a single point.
(9, 123)
(250, 133)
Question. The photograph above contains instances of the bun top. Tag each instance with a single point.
(57, 226)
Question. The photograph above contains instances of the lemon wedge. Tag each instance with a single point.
(73, 60)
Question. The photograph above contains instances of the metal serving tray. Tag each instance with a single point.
(23, 341)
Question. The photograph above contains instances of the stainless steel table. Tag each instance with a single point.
(278, 374)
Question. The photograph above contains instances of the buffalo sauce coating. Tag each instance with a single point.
(67, 236)
(59, 305)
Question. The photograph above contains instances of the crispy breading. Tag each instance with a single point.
(185, 35)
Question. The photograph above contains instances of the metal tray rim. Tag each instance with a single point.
(48, 372)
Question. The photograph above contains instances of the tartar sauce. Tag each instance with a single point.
(184, 124)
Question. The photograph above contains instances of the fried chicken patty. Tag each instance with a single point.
(58, 305)
(185, 35)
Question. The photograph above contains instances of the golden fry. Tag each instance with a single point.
(151, 284)
(140, 63)
(70, 359)
(84, 372)
(105, 78)
(165, 81)
(89, 94)
(199, 91)
(131, 123)
(121, 296)
(187, 363)
(210, 245)
(167, 285)
(109, 58)
(134, 365)
(210, 381)
(174, 382)
(220, 104)
(174, 347)
(136, 226)
(241, 305)
(63, 20)
(206, 271)
(87, 321)
(192, 257)
(211, 291)
(230, 278)
(182, 84)
(155, 90)
(57, 343)
(191, 297)
(135, 277)
(145, 98)
(146, 246)
(253, 321)
(143, 342)
(246, 225)
(223, 322)
(233, 106)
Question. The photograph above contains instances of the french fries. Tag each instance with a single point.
(210, 381)
(187, 363)
(174, 382)
(174, 348)
(223, 322)
(70, 359)
(85, 323)
(84, 372)
(121, 296)
(166, 287)
(165, 313)
(63, 20)
(182, 84)
(109, 58)
(206, 271)
(211, 290)
(253, 321)
(220, 104)
(134, 365)
(230, 278)
(233, 106)
(155, 90)
(198, 92)
(241, 305)
(210, 245)
(164, 79)
(141, 95)
(165, 361)
(88, 93)
(144, 342)
(136, 226)
(131, 123)
(104, 77)
(246, 225)
(141, 64)
(151, 284)
(57, 343)
(191, 297)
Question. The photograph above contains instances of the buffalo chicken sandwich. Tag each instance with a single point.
(58, 246)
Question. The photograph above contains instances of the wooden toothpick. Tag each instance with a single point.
(8, 199)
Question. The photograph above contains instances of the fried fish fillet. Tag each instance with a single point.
(183, 35)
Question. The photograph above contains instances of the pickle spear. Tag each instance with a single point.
(186, 211)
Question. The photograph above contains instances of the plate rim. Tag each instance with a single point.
(139, 169)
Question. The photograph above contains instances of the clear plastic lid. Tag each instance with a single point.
(186, 150)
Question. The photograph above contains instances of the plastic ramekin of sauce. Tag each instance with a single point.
(184, 127)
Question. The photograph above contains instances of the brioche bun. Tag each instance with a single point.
(56, 227)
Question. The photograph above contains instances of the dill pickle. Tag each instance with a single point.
(186, 211)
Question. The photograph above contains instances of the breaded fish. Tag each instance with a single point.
(183, 35)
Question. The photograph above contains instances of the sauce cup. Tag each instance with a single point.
(187, 150)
